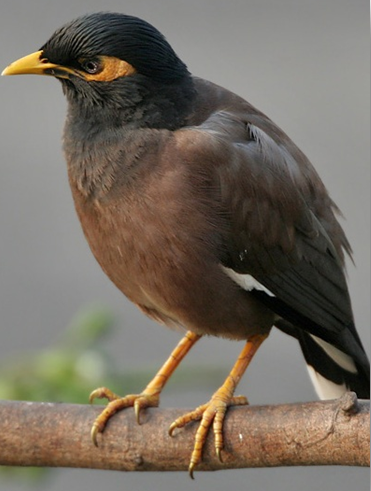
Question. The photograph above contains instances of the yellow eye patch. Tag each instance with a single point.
(108, 68)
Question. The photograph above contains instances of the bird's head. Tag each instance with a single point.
(103, 56)
(102, 47)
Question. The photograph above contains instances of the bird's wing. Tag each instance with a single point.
(283, 242)
(276, 232)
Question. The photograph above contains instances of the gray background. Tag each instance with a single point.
(305, 64)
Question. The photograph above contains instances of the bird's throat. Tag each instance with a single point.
(131, 102)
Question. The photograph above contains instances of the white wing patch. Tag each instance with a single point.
(246, 281)
(343, 360)
(324, 387)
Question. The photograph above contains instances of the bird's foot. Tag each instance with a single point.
(151, 394)
(116, 403)
(211, 413)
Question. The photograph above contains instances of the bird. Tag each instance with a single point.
(201, 210)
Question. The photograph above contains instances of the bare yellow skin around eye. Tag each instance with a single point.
(112, 68)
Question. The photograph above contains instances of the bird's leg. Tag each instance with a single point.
(213, 412)
(150, 395)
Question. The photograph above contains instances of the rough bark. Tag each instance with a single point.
(58, 435)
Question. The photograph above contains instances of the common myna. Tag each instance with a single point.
(200, 210)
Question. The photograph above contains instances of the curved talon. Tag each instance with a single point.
(94, 434)
(93, 395)
(219, 454)
(103, 393)
(191, 469)
(137, 409)
(172, 428)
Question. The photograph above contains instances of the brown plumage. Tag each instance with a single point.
(200, 210)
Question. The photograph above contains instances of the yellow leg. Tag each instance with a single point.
(151, 394)
(213, 412)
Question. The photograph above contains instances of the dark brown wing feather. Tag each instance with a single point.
(282, 227)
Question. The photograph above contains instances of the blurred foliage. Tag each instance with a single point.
(77, 364)
(64, 372)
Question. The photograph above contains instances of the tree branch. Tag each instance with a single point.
(58, 435)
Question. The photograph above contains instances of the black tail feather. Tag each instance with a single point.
(332, 375)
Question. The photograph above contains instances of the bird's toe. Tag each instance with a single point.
(115, 404)
(210, 414)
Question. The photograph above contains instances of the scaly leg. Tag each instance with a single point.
(151, 394)
(213, 412)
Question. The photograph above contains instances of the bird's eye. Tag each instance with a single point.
(91, 66)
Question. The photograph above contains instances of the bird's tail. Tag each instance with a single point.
(333, 371)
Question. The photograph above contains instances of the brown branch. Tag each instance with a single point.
(58, 435)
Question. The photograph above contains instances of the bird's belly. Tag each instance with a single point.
(169, 277)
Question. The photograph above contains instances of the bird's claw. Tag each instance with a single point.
(103, 393)
(137, 407)
(94, 434)
(117, 403)
(209, 414)
(191, 469)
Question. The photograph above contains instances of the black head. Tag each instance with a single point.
(115, 35)
(117, 62)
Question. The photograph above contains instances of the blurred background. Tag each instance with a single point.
(306, 65)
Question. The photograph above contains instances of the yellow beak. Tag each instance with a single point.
(36, 64)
